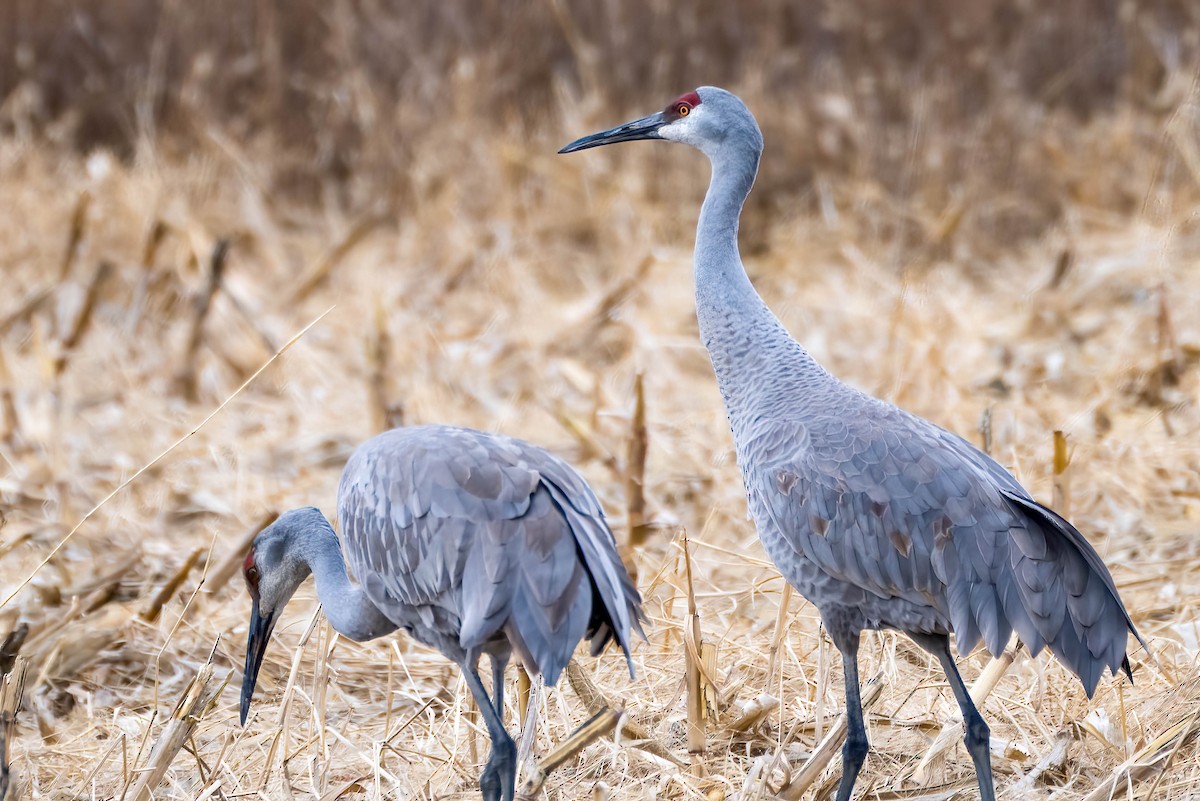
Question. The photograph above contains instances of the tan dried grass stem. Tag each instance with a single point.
(693, 664)
(12, 646)
(811, 770)
(632, 732)
(138, 473)
(385, 414)
(1153, 760)
(186, 379)
(193, 705)
(75, 236)
(1062, 479)
(523, 688)
(635, 475)
(79, 325)
(593, 729)
(321, 269)
(12, 689)
(153, 609)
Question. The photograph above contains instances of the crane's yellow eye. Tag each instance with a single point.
(683, 110)
(252, 575)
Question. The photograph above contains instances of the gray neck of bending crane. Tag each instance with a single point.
(750, 349)
(346, 606)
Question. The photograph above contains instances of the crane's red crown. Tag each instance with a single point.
(682, 105)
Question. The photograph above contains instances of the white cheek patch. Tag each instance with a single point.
(684, 129)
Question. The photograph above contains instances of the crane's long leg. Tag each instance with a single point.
(845, 636)
(499, 663)
(977, 732)
(499, 778)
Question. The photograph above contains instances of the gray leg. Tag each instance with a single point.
(977, 732)
(499, 663)
(499, 778)
(845, 636)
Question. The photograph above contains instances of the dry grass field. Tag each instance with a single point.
(984, 212)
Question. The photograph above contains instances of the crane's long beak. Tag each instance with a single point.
(645, 128)
(256, 646)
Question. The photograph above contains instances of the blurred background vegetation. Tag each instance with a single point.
(990, 116)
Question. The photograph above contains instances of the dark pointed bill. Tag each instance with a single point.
(256, 647)
(645, 128)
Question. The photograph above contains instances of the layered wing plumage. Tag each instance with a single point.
(932, 534)
(461, 536)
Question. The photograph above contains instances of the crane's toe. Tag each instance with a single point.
(498, 781)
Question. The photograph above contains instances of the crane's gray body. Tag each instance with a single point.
(479, 543)
(474, 543)
(879, 518)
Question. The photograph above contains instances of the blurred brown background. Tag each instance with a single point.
(1001, 112)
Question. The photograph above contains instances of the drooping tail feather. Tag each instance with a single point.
(1059, 593)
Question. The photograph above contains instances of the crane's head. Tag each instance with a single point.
(706, 119)
(273, 570)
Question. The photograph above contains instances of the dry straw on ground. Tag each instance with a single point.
(944, 226)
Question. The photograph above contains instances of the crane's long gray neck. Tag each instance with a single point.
(346, 606)
(745, 340)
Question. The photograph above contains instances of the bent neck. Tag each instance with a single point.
(346, 606)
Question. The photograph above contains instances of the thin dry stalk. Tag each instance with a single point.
(632, 732)
(980, 690)
(1062, 266)
(12, 646)
(231, 563)
(600, 724)
(385, 415)
(985, 430)
(10, 421)
(153, 609)
(635, 475)
(185, 381)
(1062, 479)
(811, 770)
(75, 237)
(33, 301)
(321, 269)
(197, 700)
(1153, 760)
(523, 687)
(80, 324)
(696, 712)
(585, 435)
(12, 689)
(785, 600)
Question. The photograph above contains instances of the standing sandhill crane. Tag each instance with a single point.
(880, 518)
(474, 544)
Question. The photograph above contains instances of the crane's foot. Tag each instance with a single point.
(498, 782)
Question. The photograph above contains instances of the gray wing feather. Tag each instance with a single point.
(455, 533)
(918, 519)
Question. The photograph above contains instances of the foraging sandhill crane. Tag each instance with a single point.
(881, 519)
(474, 544)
